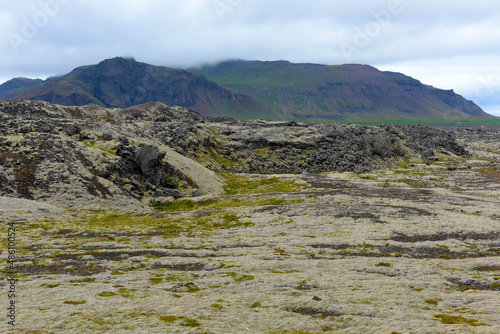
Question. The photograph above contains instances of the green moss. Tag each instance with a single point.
(185, 205)
(285, 272)
(445, 248)
(150, 256)
(452, 320)
(241, 278)
(245, 184)
(93, 144)
(85, 280)
(383, 264)
(155, 280)
(107, 294)
(231, 274)
(190, 323)
(118, 272)
(80, 302)
(125, 293)
(170, 226)
(434, 302)
(168, 318)
(229, 217)
(256, 305)
(280, 251)
(217, 306)
(244, 278)
(288, 332)
(186, 322)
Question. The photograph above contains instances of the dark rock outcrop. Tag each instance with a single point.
(153, 152)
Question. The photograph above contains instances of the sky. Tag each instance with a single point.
(449, 44)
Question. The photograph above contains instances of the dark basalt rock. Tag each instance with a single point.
(47, 149)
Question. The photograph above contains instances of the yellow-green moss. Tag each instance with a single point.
(256, 305)
(452, 320)
(245, 184)
(434, 302)
(79, 302)
(186, 322)
(184, 205)
(107, 294)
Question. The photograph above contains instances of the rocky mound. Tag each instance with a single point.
(92, 157)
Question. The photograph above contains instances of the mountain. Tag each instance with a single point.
(342, 93)
(277, 90)
(17, 86)
(122, 83)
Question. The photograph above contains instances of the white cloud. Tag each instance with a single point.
(448, 44)
(477, 78)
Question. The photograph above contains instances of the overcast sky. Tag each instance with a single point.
(450, 44)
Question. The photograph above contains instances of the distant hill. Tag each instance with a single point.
(277, 90)
(16, 86)
(341, 93)
(122, 83)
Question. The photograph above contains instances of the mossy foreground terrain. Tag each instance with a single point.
(410, 247)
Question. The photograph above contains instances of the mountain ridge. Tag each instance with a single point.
(349, 92)
(278, 90)
(122, 83)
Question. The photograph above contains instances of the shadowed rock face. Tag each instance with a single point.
(153, 151)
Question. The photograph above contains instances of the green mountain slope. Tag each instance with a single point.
(343, 93)
(17, 86)
(122, 83)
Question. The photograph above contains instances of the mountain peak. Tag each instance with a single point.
(124, 82)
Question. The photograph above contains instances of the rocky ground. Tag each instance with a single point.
(406, 243)
(90, 157)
